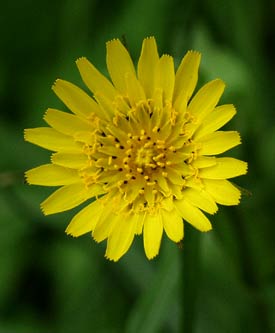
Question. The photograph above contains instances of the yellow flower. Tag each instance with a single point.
(142, 147)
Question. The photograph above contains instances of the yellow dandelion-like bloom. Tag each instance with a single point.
(141, 146)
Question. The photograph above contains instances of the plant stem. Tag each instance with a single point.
(190, 278)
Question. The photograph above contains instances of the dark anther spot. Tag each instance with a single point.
(158, 129)
(121, 147)
(114, 157)
(127, 117)
(133, 177)
(120, 169)
(125, 182)
(116, 140)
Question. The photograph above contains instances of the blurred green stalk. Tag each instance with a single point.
(190, 273)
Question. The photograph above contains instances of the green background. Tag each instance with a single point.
(222, 281)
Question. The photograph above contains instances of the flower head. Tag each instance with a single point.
(141, 146)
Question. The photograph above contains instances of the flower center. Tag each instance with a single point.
(144, 156)
(139, 158)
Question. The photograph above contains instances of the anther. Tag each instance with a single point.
(151, 165)
(158, 157)
(172, 148)
(148, 144)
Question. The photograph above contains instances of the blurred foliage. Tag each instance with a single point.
(53, 283)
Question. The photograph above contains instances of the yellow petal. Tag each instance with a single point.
(105, 224)
(75, 99)
(200, 199)
(222, 191)
(119, 63)
(86, 137)
(135, 91)
(166, 76)
(173, 224)
(121, 238)
(69, 196)
(187, 76)
(94, 80)
(147, 64)
(51, 139)
(204, 162)
(139, 223)
(65, 123)
(152, 234)
(106, 106)
(193, 215)
(52, 175)
(174, 176)
(74, 161)
(86, 220)
(206, 99)
(226, 167)
(215, 120)
(219, 142)
(162, 182)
